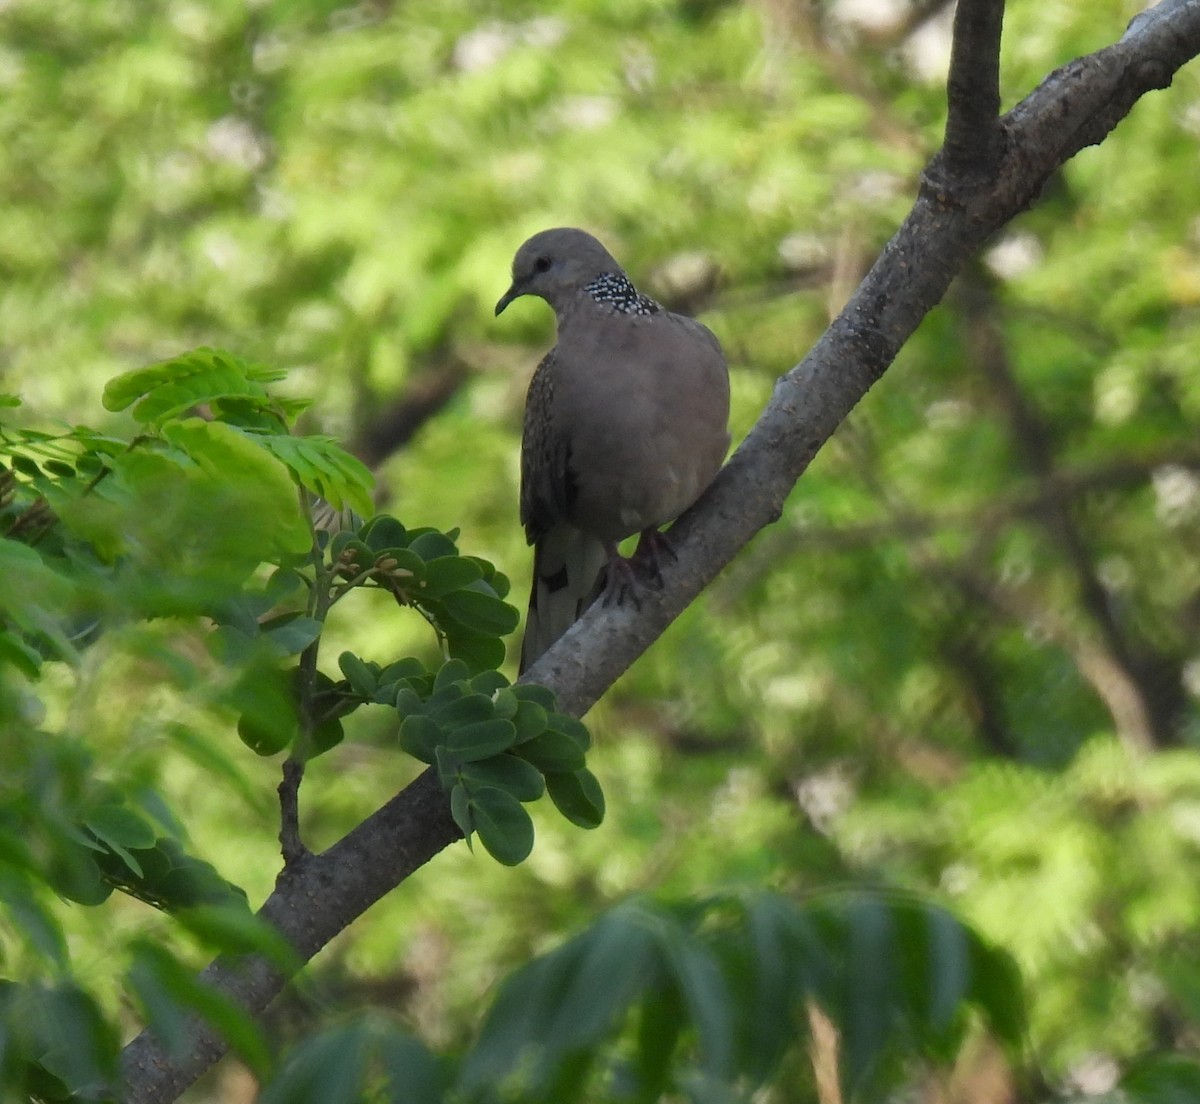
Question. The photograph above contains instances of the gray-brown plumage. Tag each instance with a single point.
(626, 423)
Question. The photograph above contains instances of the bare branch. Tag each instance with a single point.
(973, 135)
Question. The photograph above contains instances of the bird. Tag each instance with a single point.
(626, 423)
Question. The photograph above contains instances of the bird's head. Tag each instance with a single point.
(555, 264)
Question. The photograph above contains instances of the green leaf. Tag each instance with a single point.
(165, 985)
(432, 545)
(505, 772)
(233, 929)
(420, 736)
(480, 740)
(480, 651)
(449, 673)
(414, 1075)
(444, 574)
(530, 720)
(384, 532)
(15, 652)
(330, 1068)
(484, 613)
(706, 998)
(571, 727)
(453, 708)
(660, 1023)
(540, 695)
(77, 1043)
(326, 735)
(35, 923)
(264, 738)
(322, 466)
(504, 704)
(121, 828)
(174, 386)
(363, 681)
(408, 668)
(552, 751)
(503, 825)
(291, 633)
(460, 810)
(231, 459)
(578, 796)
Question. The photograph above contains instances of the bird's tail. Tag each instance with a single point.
(566, 572)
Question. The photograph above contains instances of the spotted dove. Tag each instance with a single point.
(626, 423)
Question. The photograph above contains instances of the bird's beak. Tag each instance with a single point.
(513, 293)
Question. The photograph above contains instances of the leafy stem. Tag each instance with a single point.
(321, 597)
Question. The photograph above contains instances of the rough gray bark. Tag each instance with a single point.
(962, 201)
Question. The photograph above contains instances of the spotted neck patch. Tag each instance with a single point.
(613, 289)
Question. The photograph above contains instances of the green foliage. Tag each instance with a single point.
(1162, 1080)
(76, 541)
(703, 1001)
(717, 996)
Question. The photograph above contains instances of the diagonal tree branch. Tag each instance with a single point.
(954, 214)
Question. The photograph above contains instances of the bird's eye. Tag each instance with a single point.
(541, 264)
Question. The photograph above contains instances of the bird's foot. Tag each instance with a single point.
(628, 579)
(653, 550)
(621, 582)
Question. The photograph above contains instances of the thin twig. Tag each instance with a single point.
(972, 146)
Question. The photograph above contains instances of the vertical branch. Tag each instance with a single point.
(972, 147)
(1149, 707)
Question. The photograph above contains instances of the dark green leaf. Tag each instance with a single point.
(577, 795)
(530, 720)
(14, 651)
(480, 740)
(480, 651)
(571, 727)
(327, 734)
(414, 1075)
(432, 545)
(531, 691)
(330, 1068)
(291, 633)
(660, 1022)
(169, 981)
(484, 613)
(80, 1046)
(263, 739)
(502, 824)
(383, 532)
(419, 736)
(506, 772)
(363, 681)
(460, 709)
(460, 810)
(494, 685)
(449, 673)
(552, 751)
(444, 574)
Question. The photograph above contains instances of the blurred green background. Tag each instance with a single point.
(964, 662)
